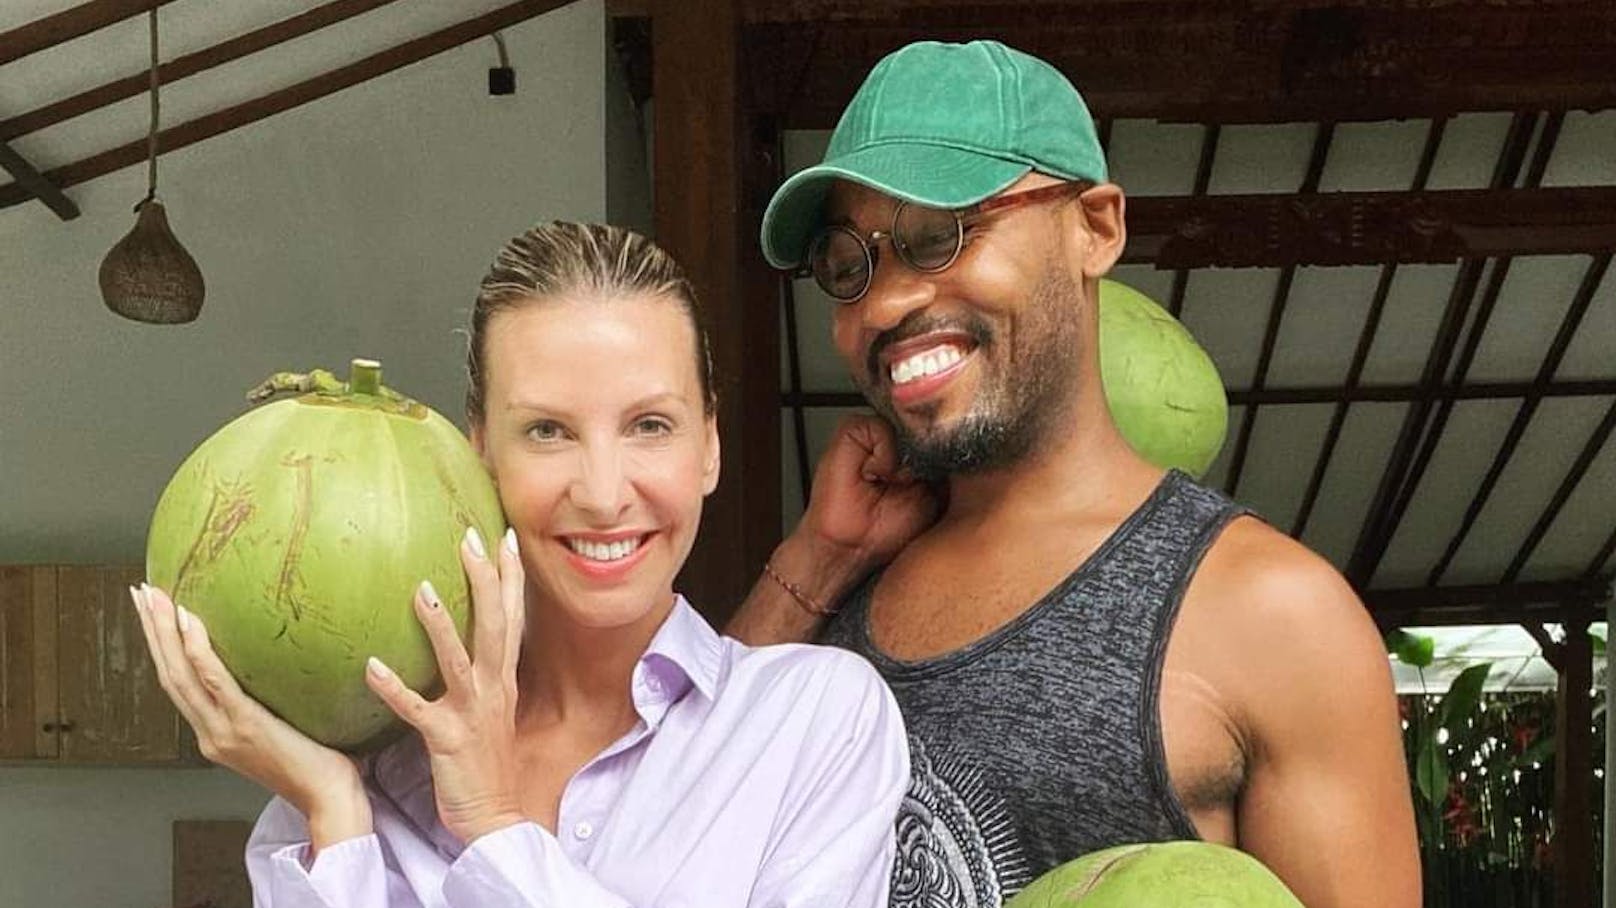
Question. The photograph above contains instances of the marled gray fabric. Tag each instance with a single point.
(1042, 741)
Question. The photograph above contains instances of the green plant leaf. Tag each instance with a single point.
(1431, 773)
(1540, 750)
(1462, 698)
(1411, 649)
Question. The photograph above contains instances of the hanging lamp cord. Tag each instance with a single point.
(151, 135)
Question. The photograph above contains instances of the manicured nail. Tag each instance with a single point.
(429, 595)
(510, 540)
(185, 618)
(474, 541)
(134, 596)
(377, 669)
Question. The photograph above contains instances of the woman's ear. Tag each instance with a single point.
(1107, 232)
(711, 467)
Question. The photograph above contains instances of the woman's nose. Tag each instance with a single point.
(600, 486)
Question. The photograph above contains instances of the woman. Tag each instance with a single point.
(599, 744)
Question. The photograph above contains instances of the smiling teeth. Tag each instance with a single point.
(923, 364)
(604, 551)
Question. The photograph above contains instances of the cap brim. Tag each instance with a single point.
(933, 175)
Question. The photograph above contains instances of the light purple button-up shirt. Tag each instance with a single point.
(765, 777)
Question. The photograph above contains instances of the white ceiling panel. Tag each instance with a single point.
(1374, 157)
(1531, 306)
(1408, 323)
(1551, 443)
(1445, 490)
(1323, 320)
(1349, 486)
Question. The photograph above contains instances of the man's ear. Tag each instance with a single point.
(1102, 215)
(711, 468)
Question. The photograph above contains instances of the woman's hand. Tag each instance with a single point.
(239, 733)
(470, 732)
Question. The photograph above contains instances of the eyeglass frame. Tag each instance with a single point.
(872, 257)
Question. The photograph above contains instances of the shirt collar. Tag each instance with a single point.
(685, 652)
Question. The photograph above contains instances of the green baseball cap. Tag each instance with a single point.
(943, 125)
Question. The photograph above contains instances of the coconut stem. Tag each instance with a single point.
(301, 382)
(365, 377)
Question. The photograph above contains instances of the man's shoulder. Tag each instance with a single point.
(1253, 567)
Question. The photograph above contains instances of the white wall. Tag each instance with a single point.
(357, 225)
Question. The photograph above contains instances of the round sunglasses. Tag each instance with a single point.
(842, 262)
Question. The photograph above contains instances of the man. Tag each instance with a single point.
(1088, 651)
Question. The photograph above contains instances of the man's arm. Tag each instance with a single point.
(1327, 804)
(863, 510)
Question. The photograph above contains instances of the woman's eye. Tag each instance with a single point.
(653, 425)
(545, 431)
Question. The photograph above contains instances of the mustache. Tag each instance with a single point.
(921, 323)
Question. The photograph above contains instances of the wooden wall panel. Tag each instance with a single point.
(112, 708)
(27, 661)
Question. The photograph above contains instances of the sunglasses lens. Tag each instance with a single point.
(840, 263)
(926, 238)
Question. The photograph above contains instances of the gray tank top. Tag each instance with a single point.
(1042, 741)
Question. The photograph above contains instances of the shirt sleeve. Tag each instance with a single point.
(836, 845)
(349, 874)
(520, 866)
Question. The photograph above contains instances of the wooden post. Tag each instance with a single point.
(1574, 773)
(703, 148)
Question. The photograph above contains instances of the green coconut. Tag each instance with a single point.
(1162, 388)
(1159, 875)
(300, 532)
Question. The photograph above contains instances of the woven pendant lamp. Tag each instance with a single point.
(148, 276)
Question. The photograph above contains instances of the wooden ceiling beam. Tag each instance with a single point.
(1213, 62)
(30, 181)
(68, 24)
(189, 65)
(230, 118)
(1368, 228)
(1554, 601)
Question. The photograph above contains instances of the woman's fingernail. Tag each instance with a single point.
(474, 541)
(429, 595)
(134, 596)
(184, 618)
(377, 669)
(510, 540)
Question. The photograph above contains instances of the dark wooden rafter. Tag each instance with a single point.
(1330, 394)
(239, 115)
(1224, 63)
(1540, 602)
(1368, 228)
(68, 24)
(1322, 139)
(1366, 341)
(1524, 413)
(30, 181)
(188, 65)
(1552, 652)
(1408, 456)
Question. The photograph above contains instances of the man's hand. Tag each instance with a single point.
(470, 732)
(863, 510)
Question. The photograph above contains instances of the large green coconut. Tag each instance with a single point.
(1163, 390)
(300, 532)
(1159, 875)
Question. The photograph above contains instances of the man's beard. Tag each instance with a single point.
(1016, 408)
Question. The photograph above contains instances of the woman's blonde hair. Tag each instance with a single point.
(564, 258)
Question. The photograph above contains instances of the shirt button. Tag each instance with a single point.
(583, 831)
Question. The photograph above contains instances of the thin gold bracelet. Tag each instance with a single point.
(808, 605)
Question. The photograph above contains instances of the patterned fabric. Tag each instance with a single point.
(1042, 741)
